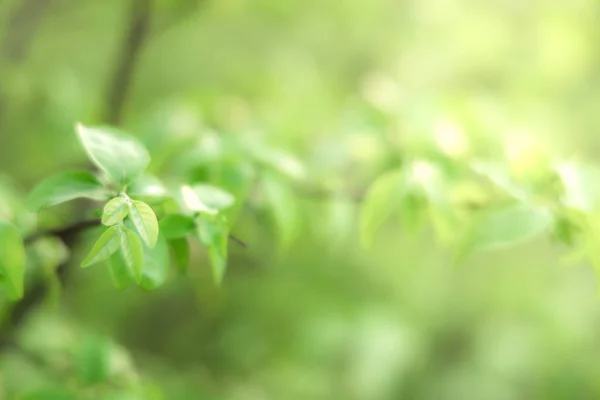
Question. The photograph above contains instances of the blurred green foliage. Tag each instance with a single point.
(221, 91)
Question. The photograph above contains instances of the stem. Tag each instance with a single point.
(238, 241)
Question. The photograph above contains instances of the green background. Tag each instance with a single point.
(347, 86)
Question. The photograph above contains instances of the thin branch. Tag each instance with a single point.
(120, 83)
(238, 241)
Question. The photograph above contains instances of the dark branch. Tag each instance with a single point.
(120, 83)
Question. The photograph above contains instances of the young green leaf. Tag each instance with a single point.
(213, 233)
(214, 197)
(145, 221)
(180, 249)
(120, 273)
(133, 252)
(175, 226)
(147, 187)
(115, 211)
(281, 201)
(120, 156)
(156, 265)
(508, 226)
(106, 245)
(382, 199)
(12, 260)
(65, 187)
(206, 198)
(193, 203)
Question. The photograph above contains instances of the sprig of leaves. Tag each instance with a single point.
(134, 243)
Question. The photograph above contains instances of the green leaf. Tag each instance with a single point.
(12, 260)
(144, 219)
(147, 187)
(156, 265)
(214, 197)
(175, 226)
(281, 201)
(180, 249)
(65, 187)
(120, 156)
(120, 273)
(132, 250)
(213, 234)
(93, 360)
(505, 227)
(106, 245)
(193, 203)
(115, 211)
(383, 197)
(206, 198)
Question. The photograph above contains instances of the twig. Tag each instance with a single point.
(238, 241)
